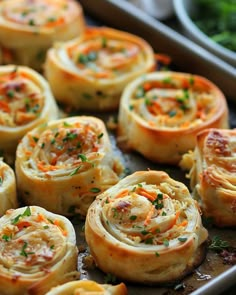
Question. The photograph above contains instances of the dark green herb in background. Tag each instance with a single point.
(217, 19)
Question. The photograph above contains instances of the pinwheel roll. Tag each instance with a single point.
(8, 197)
(213, 175)
(90, 73)
(161, 113)
(38, 251)
(85, 287)
(146, 229)
(29, 27)
(62, 166)
(26, 102)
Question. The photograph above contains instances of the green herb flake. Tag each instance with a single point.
(10, 93)
(100, 135)
(82, 157)
(87, 95)
(217, 244)
(75, 171)
(104, 42)
(82, 58)
(157, 254)
(6, 238)
(166, 242)
(95, 190)
(149, 241)
(133, 217)
(31, 22)
(182, 240)
(23, 252)
(110, 279)
(66, 124)
(172, 113)
(45, 226)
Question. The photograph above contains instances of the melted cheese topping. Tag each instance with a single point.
(105, 54)
(21, 99)
(39, 13)
(172, 102)
(70, 146)
(146, 214)
(30, 242)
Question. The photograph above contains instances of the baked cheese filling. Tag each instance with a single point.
(149, 223)
(73, 157)
(38, 251)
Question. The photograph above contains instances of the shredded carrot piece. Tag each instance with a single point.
(121, 194)
(40, 217)
(163, 58)
(183, 223)
(147, 86)
(144, 193)
(149, 216)
(102, 74)
(4, 106)
(23, 224)
(56, 222)
(185, 124)
(152, 124)
(57, 22)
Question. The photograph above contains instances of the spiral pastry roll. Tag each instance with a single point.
(146, 229)
(25, 102)
(161, 113)
(64, 165)
(8, 198)
(29, 27)
(213, 175)
(38, 251)
(85, 287)
(90, 73)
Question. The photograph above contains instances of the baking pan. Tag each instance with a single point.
(187, 55)
(214, 276)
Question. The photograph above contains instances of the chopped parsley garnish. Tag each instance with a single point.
(217, 244)
(83, 157)
(166, 242)
(100, 135)
(182, 239)
(157, 254)
(6, 238)
(75, 171)
(10, 93)
(27, 212)
(133, 217)
(149, 241)
(95, 190)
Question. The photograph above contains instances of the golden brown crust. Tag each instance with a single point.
(89, 287)
(38, 251)
(90, 73)
(161, 113)
(8, 198)
(26, 102)
(146, 229)
(69, 161)
(29, 28)
(213, 175)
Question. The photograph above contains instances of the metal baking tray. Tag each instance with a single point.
(214, 276)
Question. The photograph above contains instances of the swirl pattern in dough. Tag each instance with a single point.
(213, 175)
(89, 73)
(146, 229)
(63, 165)
(38, 251)
(29, 27)
(161, 113)
(88, 287)
(8, 198)
(26, 102)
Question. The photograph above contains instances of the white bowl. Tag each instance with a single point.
(184, 9)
